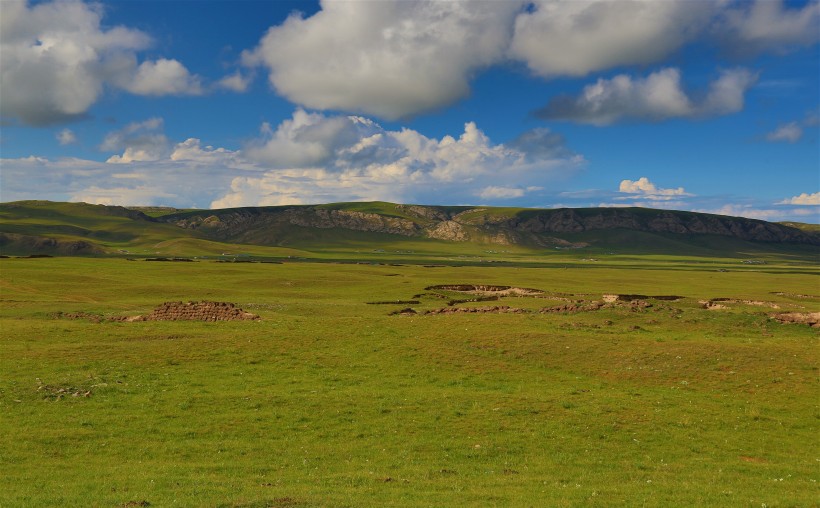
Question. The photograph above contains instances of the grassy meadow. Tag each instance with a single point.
(330, 401)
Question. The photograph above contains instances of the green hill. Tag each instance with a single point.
(381, 231)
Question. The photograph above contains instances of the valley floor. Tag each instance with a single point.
(598, 388)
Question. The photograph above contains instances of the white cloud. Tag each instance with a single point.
(390, 58)
(657, 97)
(66, 137)
(191, 150)
(317, 158)
(309, 158)
(395, 59)
(122, 196)
(646, 188)
(790, 132)
(307, 139)
(770, 25)
(57, 59)
(802, 199)
(162, 182)
(643, 193)
(140, 141)
(748, 211)
(163, 77)
(495, 192)
(574, 38)
(235, 82)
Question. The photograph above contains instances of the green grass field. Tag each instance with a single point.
(329, 401)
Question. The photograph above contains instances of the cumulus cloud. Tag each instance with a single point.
(394, 59)
(770, 25)
(191, 150)
(57, 59)
(496, 192)
(66, 137)
(657, 97)
(236, 82)
(743, 210)
(161, 182)
(643, 186)
(391, 59)
(140, 141)
(642, 192)
(122, 196)
(309, 158)
(307, 139)
(574, 38)
(318, 158)
(790, 132)
(802, 199)
(163, 77)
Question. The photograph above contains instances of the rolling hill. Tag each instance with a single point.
(42, 227)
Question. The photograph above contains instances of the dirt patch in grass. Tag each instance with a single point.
(278, 502)
(395, 302)
(59, 392)
(472, 300)
(611, 298)
(486, 290)
(174, 311)
(573, 307)
(632, 305)
(711, 305)
(431, 295)
(195, 311)
(722, 303)
(793, 295)
(496, 309)
(804, 318)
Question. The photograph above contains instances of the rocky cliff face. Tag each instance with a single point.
(660, 221)
(527, 226)
(357, 221)
(234, 221)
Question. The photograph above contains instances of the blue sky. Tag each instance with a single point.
(693, 104)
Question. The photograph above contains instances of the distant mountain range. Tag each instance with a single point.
(83, 229)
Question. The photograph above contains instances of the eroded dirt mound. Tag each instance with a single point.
(196, 311)
(632, 305)
(711, 305)
(497, 309)
(573, 307)
(804, 318)
(482, 289)
(610, 298)
(793, 295)
(720, 303)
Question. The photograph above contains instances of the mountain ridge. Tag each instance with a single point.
(483, 224)
(82, 229)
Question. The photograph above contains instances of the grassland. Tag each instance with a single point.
(329, 401)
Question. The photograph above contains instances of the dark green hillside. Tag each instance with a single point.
(45, 227)
(414, 232)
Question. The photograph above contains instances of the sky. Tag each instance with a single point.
(709, 106)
